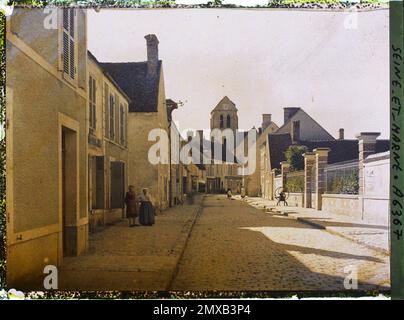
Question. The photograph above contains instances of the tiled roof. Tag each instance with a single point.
(139, 86)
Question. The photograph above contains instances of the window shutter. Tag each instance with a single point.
(72, 69)
(111, 116)
(90, 105)
(68, 51)
(94, 104)
(65, 52)
(116, 133)
(106, 109)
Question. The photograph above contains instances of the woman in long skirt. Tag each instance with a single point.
(146, 216)
(131, 206)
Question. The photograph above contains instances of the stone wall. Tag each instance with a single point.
(376, 188)
(344, 204)
(295, 199)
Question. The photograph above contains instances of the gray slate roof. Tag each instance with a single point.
(341, 150)
(133, 79)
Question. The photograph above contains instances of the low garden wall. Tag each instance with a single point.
(344, 204)
(295, 199)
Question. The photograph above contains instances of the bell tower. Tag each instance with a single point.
(224, 115)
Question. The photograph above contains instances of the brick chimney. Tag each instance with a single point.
(266, 120)
(341, 134)
(289, 112)
(152, 53)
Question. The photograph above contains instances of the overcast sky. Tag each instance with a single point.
(263, 60)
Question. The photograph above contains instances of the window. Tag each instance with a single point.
(221, 122)
(122, 125)
(92, 102)
(68, 45)
(111, 116)
(228, 121)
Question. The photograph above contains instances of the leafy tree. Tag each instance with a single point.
(294, 156)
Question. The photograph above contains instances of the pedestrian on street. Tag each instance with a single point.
(229, 193)
(242, 192)
(146, 216)
(131, 206)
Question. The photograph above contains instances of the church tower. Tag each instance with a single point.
(224, 115)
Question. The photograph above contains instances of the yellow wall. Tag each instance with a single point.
(39, 102)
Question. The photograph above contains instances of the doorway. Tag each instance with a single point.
(69, 191)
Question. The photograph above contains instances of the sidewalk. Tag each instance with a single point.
(137, 258)
(371, 235)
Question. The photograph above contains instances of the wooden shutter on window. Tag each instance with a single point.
(116, 133)
(81, 44)
(90, 104)
(111, 116)
(68, 43)
(106, 109)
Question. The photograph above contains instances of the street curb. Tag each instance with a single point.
(336, 233)
(182, 243)
(342, 235)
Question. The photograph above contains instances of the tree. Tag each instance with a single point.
(294, 156)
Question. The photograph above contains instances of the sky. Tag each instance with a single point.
(334, 65)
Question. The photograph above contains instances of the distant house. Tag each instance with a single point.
(143, 83)
(299, 128)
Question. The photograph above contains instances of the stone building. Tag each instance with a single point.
(143, 83)
(259, 179)
(177, 168)
(107, 146)
(47, 134)
(221, 173)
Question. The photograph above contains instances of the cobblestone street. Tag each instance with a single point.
(234, 246)
(221, 244)
(137, 258)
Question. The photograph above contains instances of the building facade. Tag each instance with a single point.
(143, 83)
(47, 216)
(107, 146)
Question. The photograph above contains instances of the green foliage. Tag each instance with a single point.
(2, 158)
(295, 184)
(347, 184)
(294, 156)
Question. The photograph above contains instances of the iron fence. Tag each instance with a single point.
(342, 177)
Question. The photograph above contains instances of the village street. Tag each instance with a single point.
(222, 244)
